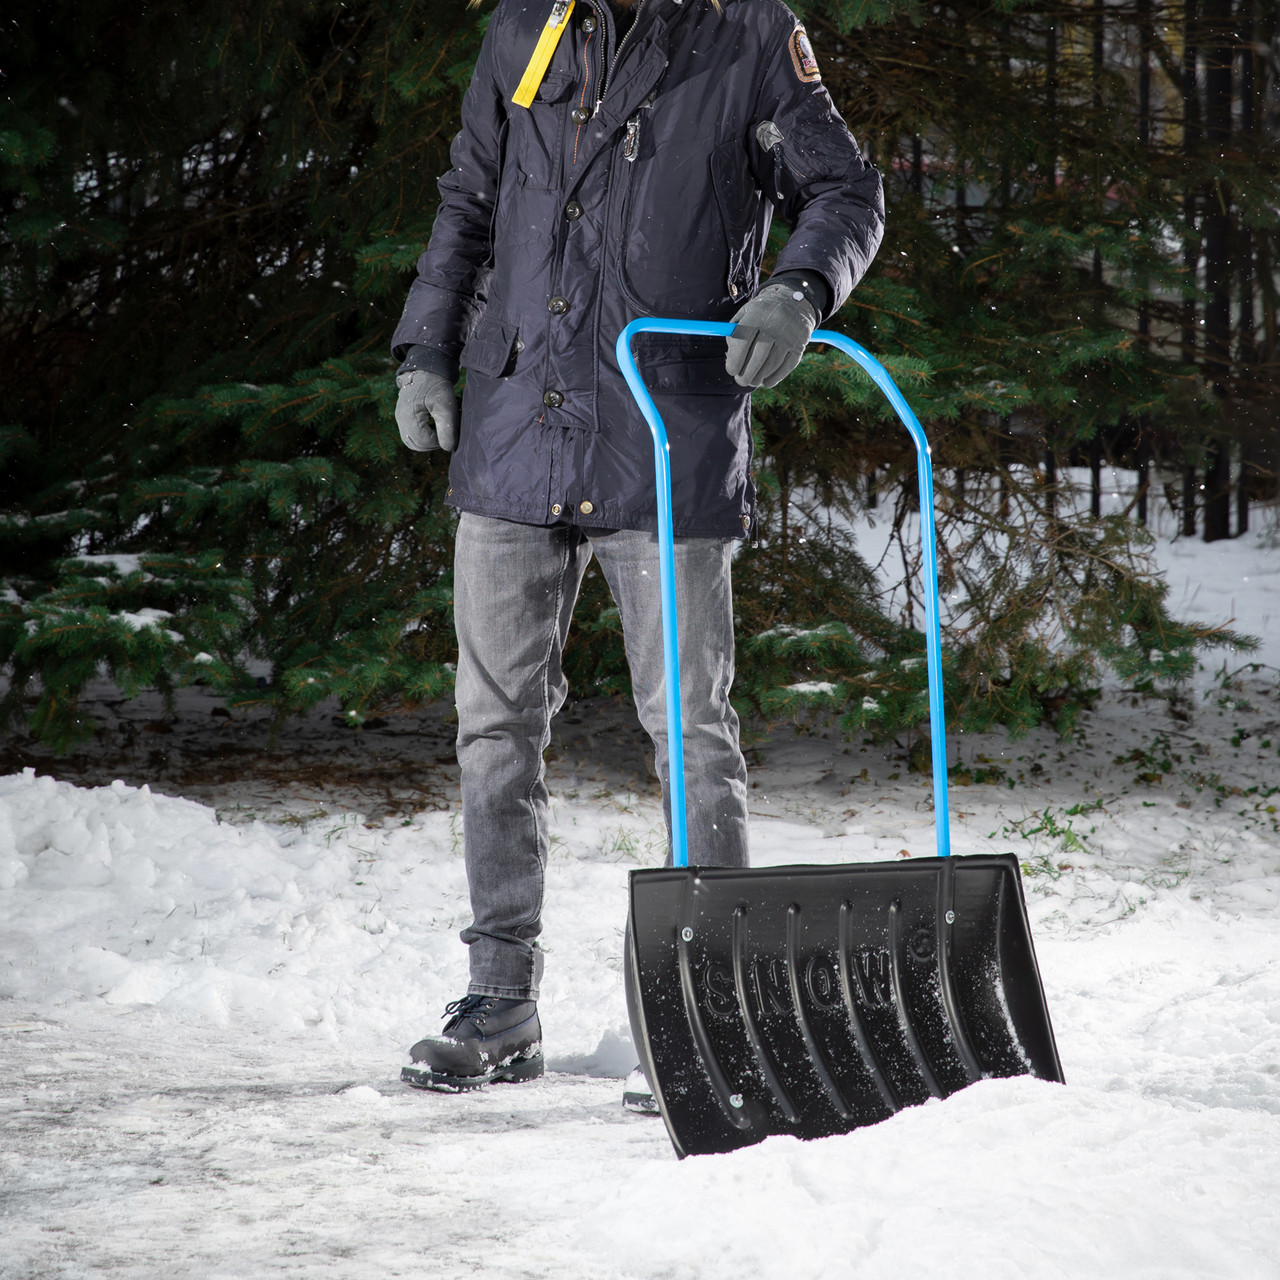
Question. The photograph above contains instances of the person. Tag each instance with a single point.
(617, 158)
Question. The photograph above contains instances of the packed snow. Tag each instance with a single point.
(204, 1006)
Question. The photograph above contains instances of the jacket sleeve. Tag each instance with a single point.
(444, 298)
(806, 161)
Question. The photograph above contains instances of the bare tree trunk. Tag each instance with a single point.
(1146, 39)
(1248, 132)
(1219, 58)
(1268, 297)
(1004, 457)
(1099, 184)
(784, 501)
(1190, 232)
(1144, 477)
(1248, 353)
(1190, 142)
(1051, 99)
(1217, 492)
(1242, 487)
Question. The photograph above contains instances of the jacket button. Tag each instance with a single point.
(573, 211)
(553, 399)
(580, 115)
(586, 507)
(556, 508)
(558, 306)
(588, 25)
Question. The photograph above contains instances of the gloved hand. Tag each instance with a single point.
(427, 411)
(773, 330)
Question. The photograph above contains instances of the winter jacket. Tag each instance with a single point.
(641, 181)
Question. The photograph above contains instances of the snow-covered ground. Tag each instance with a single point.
(204, 1006)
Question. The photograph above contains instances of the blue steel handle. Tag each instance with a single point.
(667, 564)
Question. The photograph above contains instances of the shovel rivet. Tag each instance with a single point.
(951, 917)
(735, 1099)
(687, 934)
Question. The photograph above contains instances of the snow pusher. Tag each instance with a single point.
(811, 1000)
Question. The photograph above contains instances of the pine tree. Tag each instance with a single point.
(1029, 298)
(208, 220)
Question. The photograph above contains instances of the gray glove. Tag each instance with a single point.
(427, 411)
(773, 330)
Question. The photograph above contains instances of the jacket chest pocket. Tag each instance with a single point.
(689, 227)
(537, 134)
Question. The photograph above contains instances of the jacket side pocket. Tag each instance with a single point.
(738, 200)
(491, 348)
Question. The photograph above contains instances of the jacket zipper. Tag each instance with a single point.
(617, 53)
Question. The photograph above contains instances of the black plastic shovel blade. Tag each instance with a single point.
(812, 1000)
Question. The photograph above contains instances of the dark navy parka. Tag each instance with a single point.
(641, 182)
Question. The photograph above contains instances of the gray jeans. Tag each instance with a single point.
(514, 590)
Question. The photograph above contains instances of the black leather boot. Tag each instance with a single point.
(486, 1040)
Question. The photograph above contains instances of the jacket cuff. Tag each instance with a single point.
(428, 360)
(816, 290)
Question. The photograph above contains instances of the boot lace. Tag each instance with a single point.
(470, 1006)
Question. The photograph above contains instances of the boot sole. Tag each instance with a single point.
(513, 1073)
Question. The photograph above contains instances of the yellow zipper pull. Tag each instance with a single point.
(543, 52)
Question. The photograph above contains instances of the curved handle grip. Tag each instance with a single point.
(667, 566)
